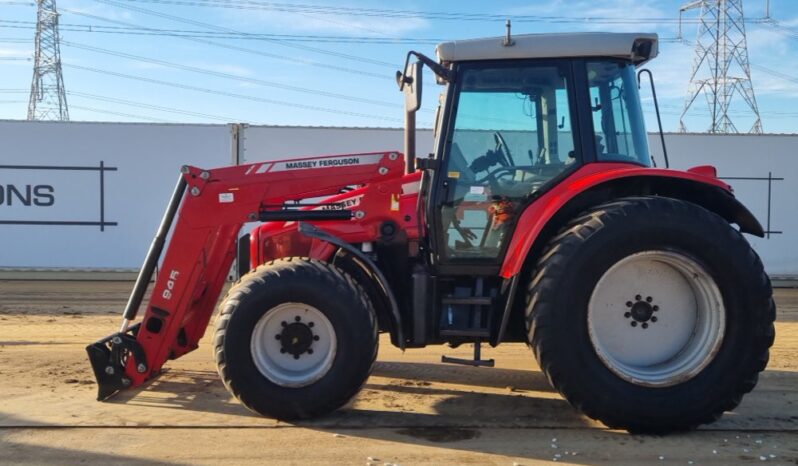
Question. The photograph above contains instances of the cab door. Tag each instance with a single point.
(508, 135)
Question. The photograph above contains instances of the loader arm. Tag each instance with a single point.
(207, 211)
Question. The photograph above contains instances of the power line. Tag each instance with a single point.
(246, 50)
(123, 114)
(15, 40)
(374, 12)
(776, 74)
(95, 28)
(225, 29)
(411, 14)
(220, 74)
(250, 98)
(160, 108)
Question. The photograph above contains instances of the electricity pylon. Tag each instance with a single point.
(47, 94)
(721, 69)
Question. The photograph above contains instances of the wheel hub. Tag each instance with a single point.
(641, 311)
(293, 344)
(296, 338)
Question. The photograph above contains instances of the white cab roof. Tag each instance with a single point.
(630, 46)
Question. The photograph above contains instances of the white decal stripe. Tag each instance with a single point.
(263, 168)
(411, 188)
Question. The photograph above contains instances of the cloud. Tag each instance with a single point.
(226, 68)
(15, 52)
(73, 9)
(307, 22)
(587, 9)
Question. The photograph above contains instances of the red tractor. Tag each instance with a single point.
(538, 218)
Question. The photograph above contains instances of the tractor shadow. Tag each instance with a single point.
(513, 413)
(396, 394)
(185, 390)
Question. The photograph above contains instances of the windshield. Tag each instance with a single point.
(617, 117)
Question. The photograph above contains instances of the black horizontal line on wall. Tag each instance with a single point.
(52, 167)
(56, 222)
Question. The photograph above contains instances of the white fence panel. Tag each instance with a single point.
(763, 170)
(91, 195)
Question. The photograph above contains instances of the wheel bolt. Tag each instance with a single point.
(634, 323)
(315, 338)
(310, 351)
(284, 324)
(655, 308)
(297, 318)
(638, 297)
(627, 314)
(282, 350)
(628, 304)
(296, 356)
(653, 318)
(310, 324)
(277, 337)
(645, 325)
(649, 299)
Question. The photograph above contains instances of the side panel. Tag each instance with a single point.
(538, 214)
(393, 201)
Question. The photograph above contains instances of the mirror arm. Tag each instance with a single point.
(439, 70)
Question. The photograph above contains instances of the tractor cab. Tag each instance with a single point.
(517, 116)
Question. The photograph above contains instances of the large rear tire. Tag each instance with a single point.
(295, 339)
(651, 314)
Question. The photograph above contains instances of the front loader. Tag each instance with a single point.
(538, 218)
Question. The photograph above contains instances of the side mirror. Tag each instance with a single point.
(410, 83)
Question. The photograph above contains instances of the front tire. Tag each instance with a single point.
(295, 339)
(651, 314)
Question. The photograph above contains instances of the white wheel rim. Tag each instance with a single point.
(299, 362)
(656, 318)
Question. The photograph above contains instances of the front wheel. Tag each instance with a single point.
(651, 314)
(295, 339)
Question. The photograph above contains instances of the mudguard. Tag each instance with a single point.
(699, 186)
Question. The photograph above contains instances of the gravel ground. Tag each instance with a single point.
(413, 410)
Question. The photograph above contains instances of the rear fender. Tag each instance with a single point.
(596, 183)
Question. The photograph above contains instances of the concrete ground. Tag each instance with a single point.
(413, 409)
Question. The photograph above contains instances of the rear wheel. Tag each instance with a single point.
(295, 339)
(651, 314)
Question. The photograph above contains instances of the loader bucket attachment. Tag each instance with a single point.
(109, 358)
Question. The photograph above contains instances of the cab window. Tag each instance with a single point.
(617, 116)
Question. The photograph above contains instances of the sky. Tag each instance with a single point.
(332, 63)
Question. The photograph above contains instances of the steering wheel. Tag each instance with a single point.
(501, 148)
(494, 177)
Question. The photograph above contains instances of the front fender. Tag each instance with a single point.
(601, 182)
